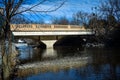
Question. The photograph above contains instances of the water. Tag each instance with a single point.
(104, 64)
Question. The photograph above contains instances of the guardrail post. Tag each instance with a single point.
(69, 26)
(33, 26)
(52, 26)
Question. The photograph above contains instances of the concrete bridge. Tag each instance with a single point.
(49, 30)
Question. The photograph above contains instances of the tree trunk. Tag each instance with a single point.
(6, 54)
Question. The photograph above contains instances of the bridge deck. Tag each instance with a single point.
(37, 29)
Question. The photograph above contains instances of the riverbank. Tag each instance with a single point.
(52, 65)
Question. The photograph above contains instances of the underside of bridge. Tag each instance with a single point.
(52, 41)
(38, 38)
(47, 40)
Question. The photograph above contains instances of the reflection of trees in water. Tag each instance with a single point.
(100, 56)
(33, 55)
(69, 46)
(68, 51)
(93, 72)
(37, 54)
(103, 67)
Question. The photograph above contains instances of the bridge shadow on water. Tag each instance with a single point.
(69, 46)
(30, 55)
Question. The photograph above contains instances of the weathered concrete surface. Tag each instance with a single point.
(49, 43)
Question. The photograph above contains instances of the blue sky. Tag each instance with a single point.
(67, 10)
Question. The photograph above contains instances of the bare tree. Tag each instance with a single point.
(80, 18)
(55, 20)
(19, 20)
(111, 8)
(97, 25)
(61, 20)
(13, 8)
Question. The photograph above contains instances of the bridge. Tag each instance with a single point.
(40, 30)
(49, 30)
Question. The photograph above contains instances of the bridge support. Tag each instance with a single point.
(49, 43)
(49, 51)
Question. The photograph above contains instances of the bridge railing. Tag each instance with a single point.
(44, 27)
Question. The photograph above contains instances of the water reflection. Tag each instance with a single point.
(29, 54)
(105, 65)
(85, 73)
(68, 51)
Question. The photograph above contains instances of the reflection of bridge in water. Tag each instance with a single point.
(48, 30)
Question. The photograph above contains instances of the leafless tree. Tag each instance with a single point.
(13, 8)
(61, 20)
(111, 7)
(23, 20)
(80, 18)
(110, 10)
(19, 20)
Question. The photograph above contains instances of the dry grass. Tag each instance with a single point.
(54, 65)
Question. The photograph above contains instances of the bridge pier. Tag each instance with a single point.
(49, 51)
(49, 43)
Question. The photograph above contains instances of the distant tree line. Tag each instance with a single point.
(79, 18)
(104, 20)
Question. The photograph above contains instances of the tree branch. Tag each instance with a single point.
(44, 11)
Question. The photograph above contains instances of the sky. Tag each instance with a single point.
(68, 9)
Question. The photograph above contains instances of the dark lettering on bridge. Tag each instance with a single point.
(43, 26)
(24, 26)
(60, 26)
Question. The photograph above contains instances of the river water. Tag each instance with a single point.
(104, 63)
